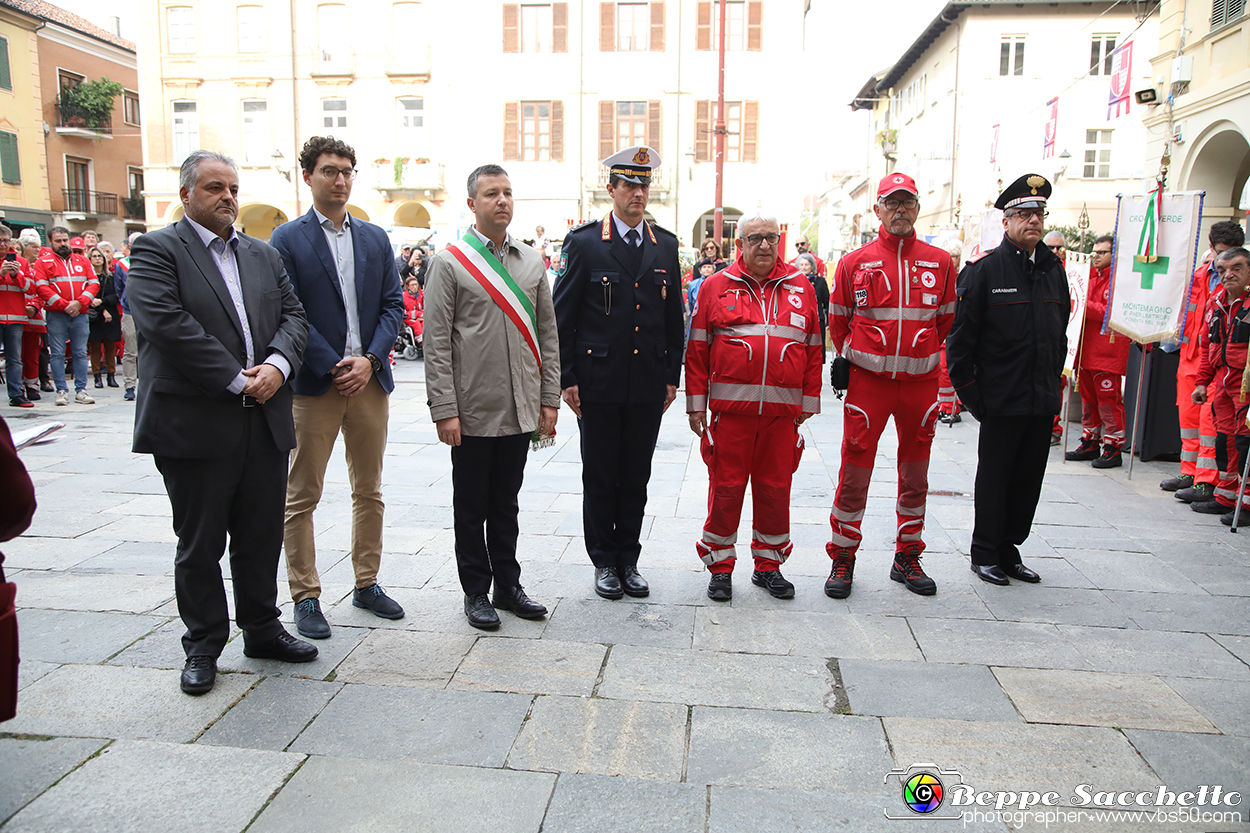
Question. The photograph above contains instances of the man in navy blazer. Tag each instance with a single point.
(343, 271)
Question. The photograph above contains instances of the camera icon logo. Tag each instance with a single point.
(923, 788)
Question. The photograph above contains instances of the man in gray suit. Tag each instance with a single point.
(222, 333)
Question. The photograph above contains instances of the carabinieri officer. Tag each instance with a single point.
(618, 307)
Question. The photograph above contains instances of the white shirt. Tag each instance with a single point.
(344, 256)
(225, 256)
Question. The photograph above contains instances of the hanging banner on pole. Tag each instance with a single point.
(1121, 76)
(1052, 127)
(1077, 267)
(1155, 247)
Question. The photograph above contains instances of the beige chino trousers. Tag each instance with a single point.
(318, 419)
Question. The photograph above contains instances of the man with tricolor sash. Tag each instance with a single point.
(622, 330)
(492, 376)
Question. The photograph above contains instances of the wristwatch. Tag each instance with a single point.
(374, 362)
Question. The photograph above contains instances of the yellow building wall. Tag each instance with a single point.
(21, 112)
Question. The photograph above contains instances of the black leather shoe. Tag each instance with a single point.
(198, 675)
(480, 612)
(633, 583)
(310, 622)
(721, 587)
(1175, 484)
(838, 585)
(514, 599)
(991, 573)
(374, 599)
(1209, 507)
(1021, 572)
(907, 570)
(774, 582)
(282, 647)
(1196, 493)
(608, 583)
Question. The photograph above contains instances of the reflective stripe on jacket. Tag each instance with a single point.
(59, 281)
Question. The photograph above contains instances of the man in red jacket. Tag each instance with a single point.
(893, 304)
(1102, 362)
(14, 284)
(754, 359)
(1199, 471)
(66, 283)
(1219, 379)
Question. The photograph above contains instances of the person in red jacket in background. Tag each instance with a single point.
(35, 371)
(1102, 361)
(892, 306)
(14, 284)
(1199, 471)
(1224, 344)
(803, 247)
(754, 359)
(66, 283)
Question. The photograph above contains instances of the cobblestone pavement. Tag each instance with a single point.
(1126, 669)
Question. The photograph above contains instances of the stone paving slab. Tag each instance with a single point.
(1026, 644)
(1022, 602)
(338, 794)
(784, 810)
(804, 634)
(162, 648)
(32, 553)
(955, 598)
(132, 558)
(399, 569)
(755, 748)
(271, 715)
(713, 678)
(1238, 645)
(622, 622)
(30, 670)
(1168, 612)
(1011, 756)
(1223, 702)
(925, 689)
(94, 591)
(30, 766)
(594, 736)
(184, 788)
(1185, 762)
(1131, 651)
(1130, 571)
(330, 652)
(596, 804)
(430, 609)
(531, 666)
(83, 637)
(109, 702)
(408, 658)
(469, 728)
(1085, 698)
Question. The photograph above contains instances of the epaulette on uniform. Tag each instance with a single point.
(661, 228)
(581, 226)
(979, 256)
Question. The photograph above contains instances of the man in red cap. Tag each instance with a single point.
(893, 303)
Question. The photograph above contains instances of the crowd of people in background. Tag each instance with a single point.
(63, 314)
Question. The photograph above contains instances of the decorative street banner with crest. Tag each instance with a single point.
(1155, 249)
(1121, 76)
(1052, 126)
(1077, 267)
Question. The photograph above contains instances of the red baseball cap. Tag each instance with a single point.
(897, 182)
(78, 243)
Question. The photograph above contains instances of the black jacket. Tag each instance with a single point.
(621, 326)
(1006, 350)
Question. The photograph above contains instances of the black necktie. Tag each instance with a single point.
(632, 237)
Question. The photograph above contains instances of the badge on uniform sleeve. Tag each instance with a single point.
(928, 279)
(563, 265)
(796, 302)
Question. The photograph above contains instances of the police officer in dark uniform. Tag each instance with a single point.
(618, 307)
(1005, 354)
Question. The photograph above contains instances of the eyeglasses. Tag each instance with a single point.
(756, 239)
(891, 204)
(1039, 213)
(802, 243)
(332, 173)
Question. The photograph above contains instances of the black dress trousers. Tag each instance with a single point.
(486, 475)
(1011, 462)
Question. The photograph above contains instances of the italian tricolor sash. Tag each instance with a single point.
(489, 272)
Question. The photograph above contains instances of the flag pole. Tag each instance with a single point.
(1137, 417)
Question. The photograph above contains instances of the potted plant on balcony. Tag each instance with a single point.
(888, 140)
(90, 103)
(400, 162)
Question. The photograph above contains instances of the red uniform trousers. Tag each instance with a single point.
(870, 401)
(1197, 430)
(948, 403)
(1228, 413)
(32, 346)
(766, 451)
(1102, 407)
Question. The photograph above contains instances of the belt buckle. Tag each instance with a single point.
(249, 401)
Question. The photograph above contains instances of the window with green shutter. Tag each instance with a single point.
(10, 171)
(6, 74)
